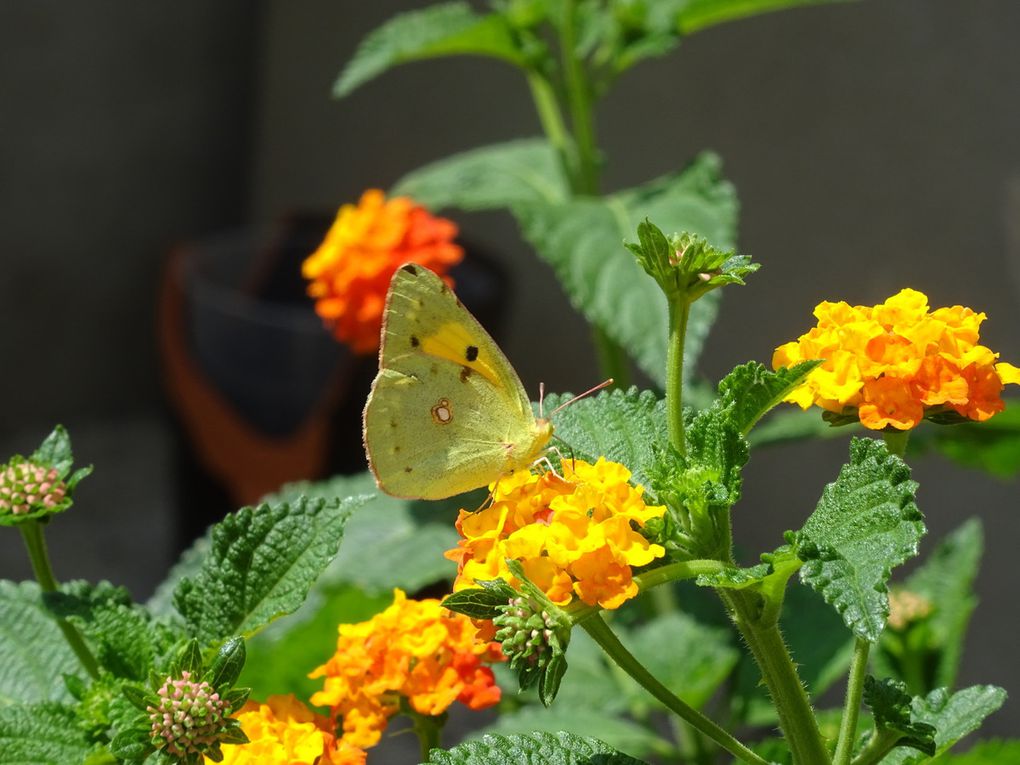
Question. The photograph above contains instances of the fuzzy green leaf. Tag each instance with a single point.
(227, 665)
(501, 175)
(414, 535)
(987, 753)
(751, 390)
(953, 716)
(485, 602)
(865, 524)
(890, 706)
(261, 565)
(585, 721)
(531, 749)
(621, 426)
(582, 241)
(40, 734)
(33, 652)
(447, 29)
(55, 451)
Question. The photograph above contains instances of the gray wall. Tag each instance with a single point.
(871, 143)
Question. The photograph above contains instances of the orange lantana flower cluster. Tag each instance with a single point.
(416, 650)
(351, 271)
(573, 534)
(897, 362)
(283, 731)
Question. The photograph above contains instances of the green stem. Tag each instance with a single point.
(551, 117)
(878, 747)
(587, 178)
(852, 708)
(679, 310)
(609, 643)
(897, 442)
(796, 718)
(427, 728)
(32, 534)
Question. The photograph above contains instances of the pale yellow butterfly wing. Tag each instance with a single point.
(447, 412)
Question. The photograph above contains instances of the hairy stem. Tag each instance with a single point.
(35, 543)
(616, 651)
(796, 718)
(852, 708)
(551, 117)
(679, 311)
(578, 91)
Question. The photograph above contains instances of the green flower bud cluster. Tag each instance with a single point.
(527, 634)
(188, 718)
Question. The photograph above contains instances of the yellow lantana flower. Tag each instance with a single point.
(575, 535)
(416, 650)
(897, 362)
(283, 731)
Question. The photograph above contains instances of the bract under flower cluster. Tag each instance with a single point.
(573, 534)
(350, 272)
(283, 731)
(897, 362)
(416, 650)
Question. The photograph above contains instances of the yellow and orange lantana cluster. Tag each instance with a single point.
(350, 272)
(416, 650)
(573, 534)
(898, 361)
(283, 731)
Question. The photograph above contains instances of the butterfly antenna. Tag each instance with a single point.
(596, 389)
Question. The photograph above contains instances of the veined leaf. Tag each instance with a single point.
(41, 734)
(891, 708)
(953, 716)
(447, 29)
(992, 446)
(865, 524)
(620, 426)
(751, 390)
(501, 175)
(531, 749)
(33, 652)
(262, 562)
(583, 241)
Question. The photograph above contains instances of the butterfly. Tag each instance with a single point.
(447, 413)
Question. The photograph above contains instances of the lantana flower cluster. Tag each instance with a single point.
(416, 651)
(897, 362)
(575, 534)
(188, 718)
(283, 730)
(350, 272)
(26, 485)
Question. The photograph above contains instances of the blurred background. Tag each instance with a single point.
(873, 145)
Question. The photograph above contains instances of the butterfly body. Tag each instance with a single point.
(447, 412)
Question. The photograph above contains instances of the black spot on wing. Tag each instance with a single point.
(410, 269)
(465, 373)
(471, 353)
(415, 342)
(407, 470)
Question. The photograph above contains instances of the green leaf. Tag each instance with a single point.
(768, 577)
(695, 15)
(447, 29)
(621, 426)
(552, 676)
(865, 524)
(585, 721)
(227, 665)
(481, 602)
(262, 563)
(953, 716)
(40, 734)
(890, 706)
(751, 390)
(992, 446)
(531, 749)
(55, 451)
(414, 535)
(987, 753)
(582, 240)
(502, 175)
(33, 652)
